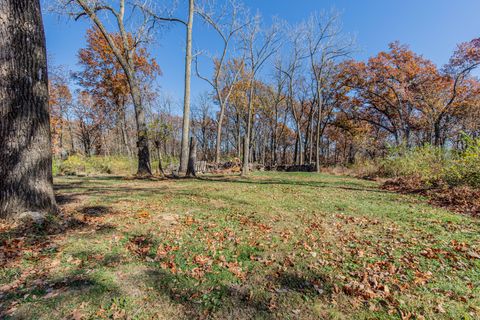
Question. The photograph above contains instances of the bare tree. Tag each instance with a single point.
(326, 44)
(226, 24)
(296, 37)
(161, 128)
(259, 45)
(25, 147)
(203, 124)
(184, 157)
(148, 9)
(278, 98)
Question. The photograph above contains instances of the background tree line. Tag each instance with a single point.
(281, 94)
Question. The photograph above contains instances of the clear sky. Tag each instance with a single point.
(430, 27)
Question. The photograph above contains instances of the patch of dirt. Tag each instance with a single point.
(170, 219)
(463, 200)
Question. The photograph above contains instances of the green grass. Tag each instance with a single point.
(274, 246)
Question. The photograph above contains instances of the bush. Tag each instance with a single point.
(79, 165)
(465, 168)
(425, 163)
(435, 166)
(72, 165)
(365, 168)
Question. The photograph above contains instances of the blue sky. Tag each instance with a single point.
(430, 27)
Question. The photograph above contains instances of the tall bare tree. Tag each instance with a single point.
(278, 98)
(184, 155)
(227, 23)
(203, 125)
(326, 44)
(259, 44)
(150, 9)
(296, 37)
(25, 147)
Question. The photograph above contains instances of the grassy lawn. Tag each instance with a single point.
(274, 246)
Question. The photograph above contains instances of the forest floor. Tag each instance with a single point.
(273, 246)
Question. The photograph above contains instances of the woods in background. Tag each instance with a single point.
(280, 95)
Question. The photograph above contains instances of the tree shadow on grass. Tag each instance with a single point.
(38, 239)
(65, 196)
(343, 185)
(236, 299)
(95, 211)
(48, 292)
(181, 290)
(126, 192)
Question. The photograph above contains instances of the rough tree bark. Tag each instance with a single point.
(192, 158)
(25, 146)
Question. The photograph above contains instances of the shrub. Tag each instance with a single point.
(79, 165)
(435, 166)
(465, 168)
(426, 163)
(365, 168)
(72, 165)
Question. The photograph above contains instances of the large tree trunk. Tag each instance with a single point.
(144, 168)
(192, 158)
(25, 146)
(309, 145)
(186, 103)
(274, 145)
(298, 157)
(60, 145)
(437, 133)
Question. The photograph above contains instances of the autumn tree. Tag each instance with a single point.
(100, 12)
(406, 94)
(104, 78)
(60, 101)
(441, 99)
(92, 119)
(25, 146)
(159, 131)
(386, 86)
(237, 114)
(455, 76)
(234, 79)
